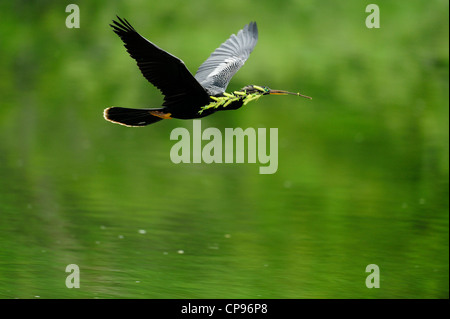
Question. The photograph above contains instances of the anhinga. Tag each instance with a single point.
(187, 96)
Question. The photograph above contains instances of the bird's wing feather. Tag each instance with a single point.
(216, 72)
(164, 70)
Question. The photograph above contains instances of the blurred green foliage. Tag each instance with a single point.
(363, 167)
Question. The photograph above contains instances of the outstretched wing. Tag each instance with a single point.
(216, 72)
(164, 70)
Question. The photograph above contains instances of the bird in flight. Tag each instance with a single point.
(187, 96)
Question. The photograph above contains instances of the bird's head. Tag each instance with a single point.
(264, 90)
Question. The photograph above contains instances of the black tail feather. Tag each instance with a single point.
(130, 117)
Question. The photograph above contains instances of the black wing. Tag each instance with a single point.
(216, 72)
(164, 70)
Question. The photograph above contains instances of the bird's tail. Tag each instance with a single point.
(132, 117)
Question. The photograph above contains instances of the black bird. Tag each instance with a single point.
(187, 96)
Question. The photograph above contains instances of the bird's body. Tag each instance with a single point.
(187, 96)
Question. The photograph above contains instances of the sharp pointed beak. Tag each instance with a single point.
(280, 92)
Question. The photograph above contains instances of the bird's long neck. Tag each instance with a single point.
(232, 101)
(236, 98)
